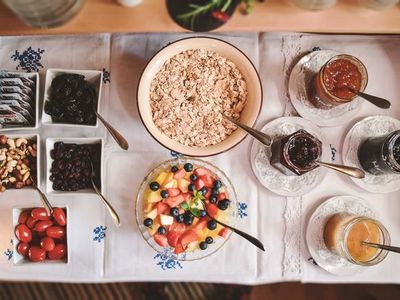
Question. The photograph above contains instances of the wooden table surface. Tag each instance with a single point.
(272, 15)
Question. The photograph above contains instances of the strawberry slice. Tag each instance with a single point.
(188, 236)
(173, 238)
(187, 197)
(208, 180)
(162, 208)
(172, 192)
(199, 184)
(174, 201)
(208, 194)
(221, 196)
(180, 174)
(201, 172)
(161, 239)
(212, 210)
(179, 249)
(202, 224)
(223, 232)
(177, 227)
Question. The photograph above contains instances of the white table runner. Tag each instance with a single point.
(101, 252)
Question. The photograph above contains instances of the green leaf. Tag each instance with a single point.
(195, 212)
(185, 206)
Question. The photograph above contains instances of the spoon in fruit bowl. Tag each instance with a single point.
(43, 198)
(110, 209)
(267, 141)
(244, 235)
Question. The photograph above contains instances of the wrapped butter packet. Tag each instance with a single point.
(16, 96)
(24, 77)
(9, 119)
(21, 104)
(16, 89)
(18, 109)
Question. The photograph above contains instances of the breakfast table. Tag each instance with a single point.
(101, 252)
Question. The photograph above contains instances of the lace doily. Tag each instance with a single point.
(314, 235)
(272, 178)
(300, 78)
(374, 126)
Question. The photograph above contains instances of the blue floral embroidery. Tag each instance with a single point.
(333, 152)
(9, 253)
(316, 49)
(99, 233)
(106, 76)
(167, 260)
(313, 261)
(242, 210)
(29, 60)
(175, 154)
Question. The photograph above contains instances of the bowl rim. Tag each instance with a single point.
(200, 37)
(139, 200)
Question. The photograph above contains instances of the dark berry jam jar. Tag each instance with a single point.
(381, 155)
(335, 81)
(296, 153)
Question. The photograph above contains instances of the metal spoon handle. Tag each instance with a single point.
(114, 133)
(262, 137)
(244, 235)
(111, 210)
(384, 247)
(350, 171)
(377, 101)
(43, 198)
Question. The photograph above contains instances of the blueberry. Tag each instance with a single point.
(213, 199)
(193, 177)
(211, 224)
(188, 218)
(188, 167)
(203, 245)
(148, 222)
(180, 218)
(191, 187)
(154, 186)
(214, 191)
(164, 194)
(209, 240)
(174, 169)
(174, 211)
(203, 190)
(217, 184)
(203, 213)
(162, 230)
(223, 204)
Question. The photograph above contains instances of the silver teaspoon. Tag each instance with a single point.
(377, 101)
(384, 247)
(121, 141)
(43, 198)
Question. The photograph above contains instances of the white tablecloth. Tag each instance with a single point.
(122, 255)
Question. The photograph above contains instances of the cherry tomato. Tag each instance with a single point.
(59, 216)
(31, 222)
(47, 244)
(23, 217)
(55, 232)
(23, 248)
(40, 214)
(23, 233)
(36, 254)
(59, 252)
(41, 226)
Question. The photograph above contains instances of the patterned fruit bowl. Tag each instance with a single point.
(174, 205)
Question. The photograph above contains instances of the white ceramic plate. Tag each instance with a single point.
(249, 72)
(300, 77)
(374, 126)
(50, 145)
(95, 79)
(272, 178)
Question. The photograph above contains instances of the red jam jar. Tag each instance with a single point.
(335, 81)
(296, 153)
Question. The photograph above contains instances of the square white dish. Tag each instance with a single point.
(93, 77)
(35, 137)
(83, 140)
(18, 258)
(34, 76)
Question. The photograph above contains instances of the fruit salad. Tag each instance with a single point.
(179, 207)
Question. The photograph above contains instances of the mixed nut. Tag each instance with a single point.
(17, 162)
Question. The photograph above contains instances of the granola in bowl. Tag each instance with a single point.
(189, 93)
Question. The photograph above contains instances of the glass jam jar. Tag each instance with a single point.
(335, 81)
(381, 155)
(296, 153)
(345, 232)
